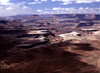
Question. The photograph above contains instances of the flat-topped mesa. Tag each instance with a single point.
(38, 43)
(41, 32)
(36, 34)
(69, 36)
(89, 30)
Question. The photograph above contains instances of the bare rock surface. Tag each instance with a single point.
(31, 44)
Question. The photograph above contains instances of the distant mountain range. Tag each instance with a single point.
(35, 16)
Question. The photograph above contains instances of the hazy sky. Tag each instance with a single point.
(15, 7)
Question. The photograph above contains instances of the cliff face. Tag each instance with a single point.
(36, 47)
(62, 57)
(85, 24)
(92, 16)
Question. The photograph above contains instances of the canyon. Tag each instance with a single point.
(57, 43)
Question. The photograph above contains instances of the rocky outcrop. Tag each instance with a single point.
(61, 57)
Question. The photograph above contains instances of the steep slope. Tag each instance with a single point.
(56, 58)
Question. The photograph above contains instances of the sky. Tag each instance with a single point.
(18, 7)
